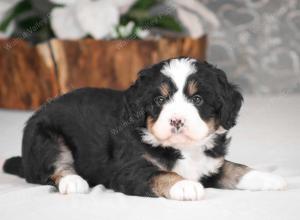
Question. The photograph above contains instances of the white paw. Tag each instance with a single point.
(186, 190)
(73, 184)
(256, 180)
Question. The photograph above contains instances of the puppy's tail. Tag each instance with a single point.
(14, 165)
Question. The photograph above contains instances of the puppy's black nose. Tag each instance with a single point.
(177, 123)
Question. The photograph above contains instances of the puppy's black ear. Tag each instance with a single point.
(137, 95)
(231, 101)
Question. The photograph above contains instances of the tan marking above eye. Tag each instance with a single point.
(192, 87)
(165, 89)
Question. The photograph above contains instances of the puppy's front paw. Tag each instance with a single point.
(186, 190)
(73, 184)
(257, 180)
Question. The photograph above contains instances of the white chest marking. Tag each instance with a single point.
(195, 164)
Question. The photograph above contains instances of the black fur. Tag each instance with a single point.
(220, 147)
(212, 180)
(14, 166)
(101, 128)
(166, 156)
(222, 99)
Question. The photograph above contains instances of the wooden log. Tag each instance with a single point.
(115, 64)
(30, 75)
(27, 75)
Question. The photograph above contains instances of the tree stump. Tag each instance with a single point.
(30, 75)
(27, 75)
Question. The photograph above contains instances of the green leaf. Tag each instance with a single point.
(165, 22)
(35, 28)
(145, 4)
(162, 21)
(30, 23)
(18, 9)
(139, 14)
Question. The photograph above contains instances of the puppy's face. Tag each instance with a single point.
(184, 102)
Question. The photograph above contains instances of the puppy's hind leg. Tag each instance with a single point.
(65, 176)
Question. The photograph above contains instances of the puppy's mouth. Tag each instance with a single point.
(175, 137)
(178, 133)
(172, 137)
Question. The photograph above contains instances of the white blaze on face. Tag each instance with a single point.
(194, 129)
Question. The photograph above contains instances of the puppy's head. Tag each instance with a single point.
(183, 101)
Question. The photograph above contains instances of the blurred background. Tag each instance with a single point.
(258, 44)
(48, 47)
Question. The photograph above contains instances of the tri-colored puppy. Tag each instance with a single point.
(164, 136)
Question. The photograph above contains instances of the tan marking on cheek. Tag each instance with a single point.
(212, 125)
(162, 183)
(150, 123)
(192, 88)
(165, 89)
(156, 163)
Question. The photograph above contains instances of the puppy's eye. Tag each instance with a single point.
(197, 100)
(160, 100)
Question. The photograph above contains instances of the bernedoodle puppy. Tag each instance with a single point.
(165, 136)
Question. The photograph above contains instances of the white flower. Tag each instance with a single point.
(5, 6)
(126, 30)
(65, 24)
(79, 18)
(141, 33)
(63, 2)
(97, 18)
(129, 31)
(123, 5)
